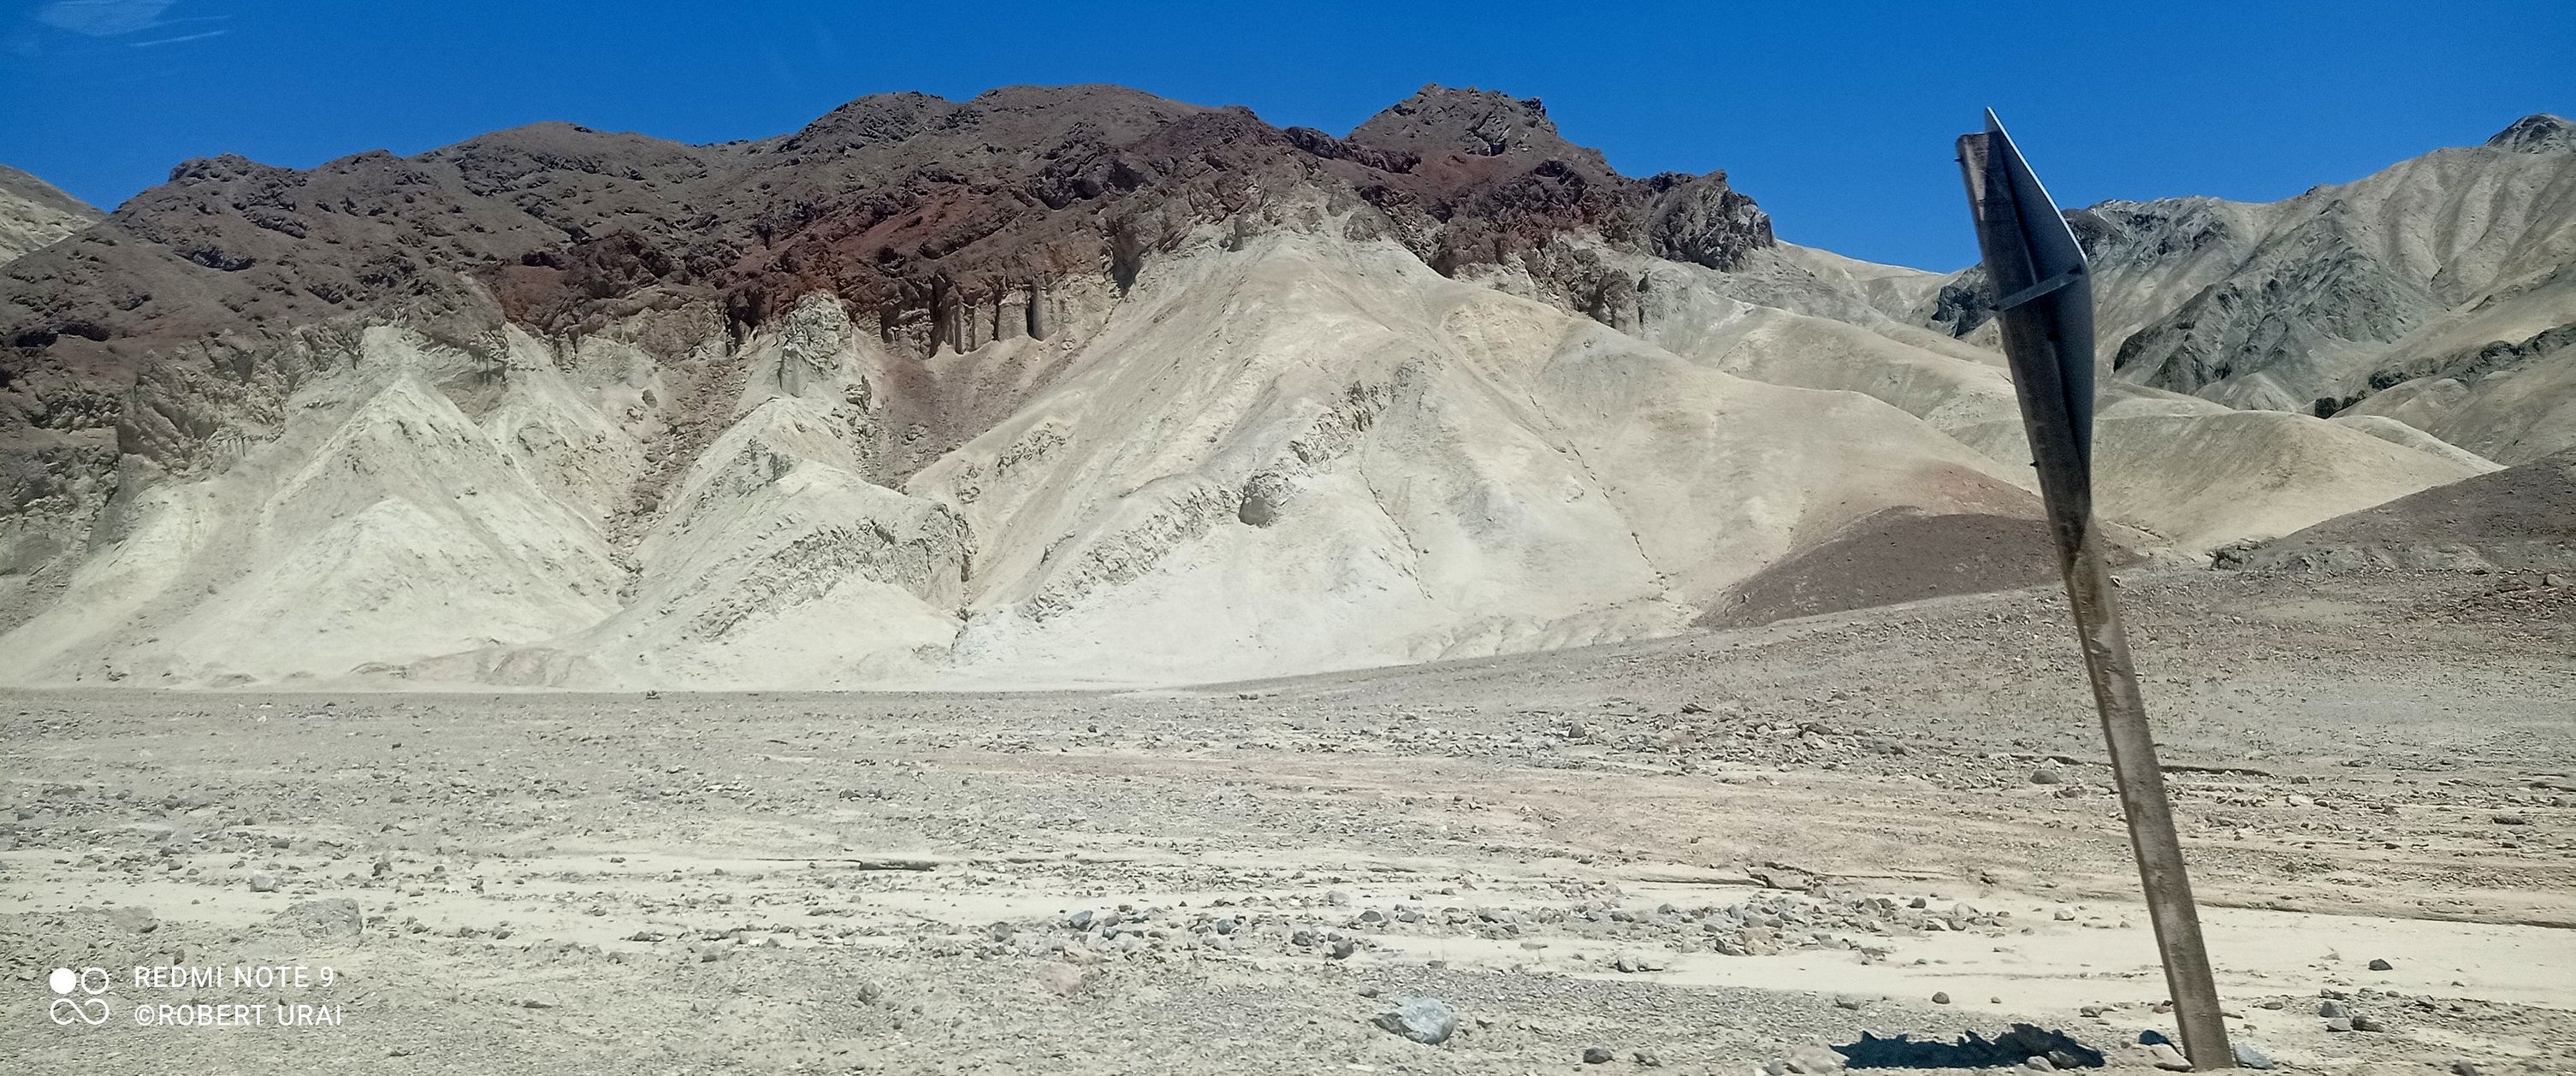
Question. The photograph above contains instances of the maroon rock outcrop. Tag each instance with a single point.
(947, 224)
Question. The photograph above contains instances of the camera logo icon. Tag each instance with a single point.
(91, 1010)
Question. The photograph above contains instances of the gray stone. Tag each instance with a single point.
(2330, 1008)
(2382, 965)
(1816, 1061)
(1424, 1020)
(2166, 1057)
(263, 882)
(338, 917)
(2047, 775)
(1940, 997)
(1597, 1055)
(2249, 1056)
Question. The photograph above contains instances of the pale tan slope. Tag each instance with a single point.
(33, 214)
(1897, 291)
(1284, 453)
(2498, 378)
(2518, 417)
(781, 557)
(1295, 453)
(383, 524)
(2185, 477)
(2399, 433)
(1311, 453)
(2516, 519)
(2198, 481)
(1690, 311)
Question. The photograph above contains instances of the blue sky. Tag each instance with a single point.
(1837, 117)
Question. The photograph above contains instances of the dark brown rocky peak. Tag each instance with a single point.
(1477, 123)
(1701, 219)
(564, 147)
(1007, 117)
(2539, 132)
(874, 119)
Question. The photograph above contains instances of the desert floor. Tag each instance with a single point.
(1700, 854)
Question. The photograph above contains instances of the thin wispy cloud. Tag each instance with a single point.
(176, 40)
(103, 18)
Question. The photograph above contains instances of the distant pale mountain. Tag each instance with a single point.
(2440, 291)
(1048, 386)
(34, 214)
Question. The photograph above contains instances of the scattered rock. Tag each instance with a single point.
(1597, 1055)
(1815, 1061)
(263, 882)
(2382, 965)
(1940, 997)
(338, 917)
(2047, 775)
(1424, 1020)
(2166, 1057)
(1059, 978)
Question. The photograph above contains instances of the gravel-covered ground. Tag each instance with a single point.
(1888, 833)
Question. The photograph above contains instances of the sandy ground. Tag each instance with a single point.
(1700, 853)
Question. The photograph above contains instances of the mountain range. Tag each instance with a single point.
(1081, 385)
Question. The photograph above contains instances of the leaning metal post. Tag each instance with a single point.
(2044, 306)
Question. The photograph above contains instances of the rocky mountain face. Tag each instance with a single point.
(2433, 291)
(1051, 385)
(33, 213)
